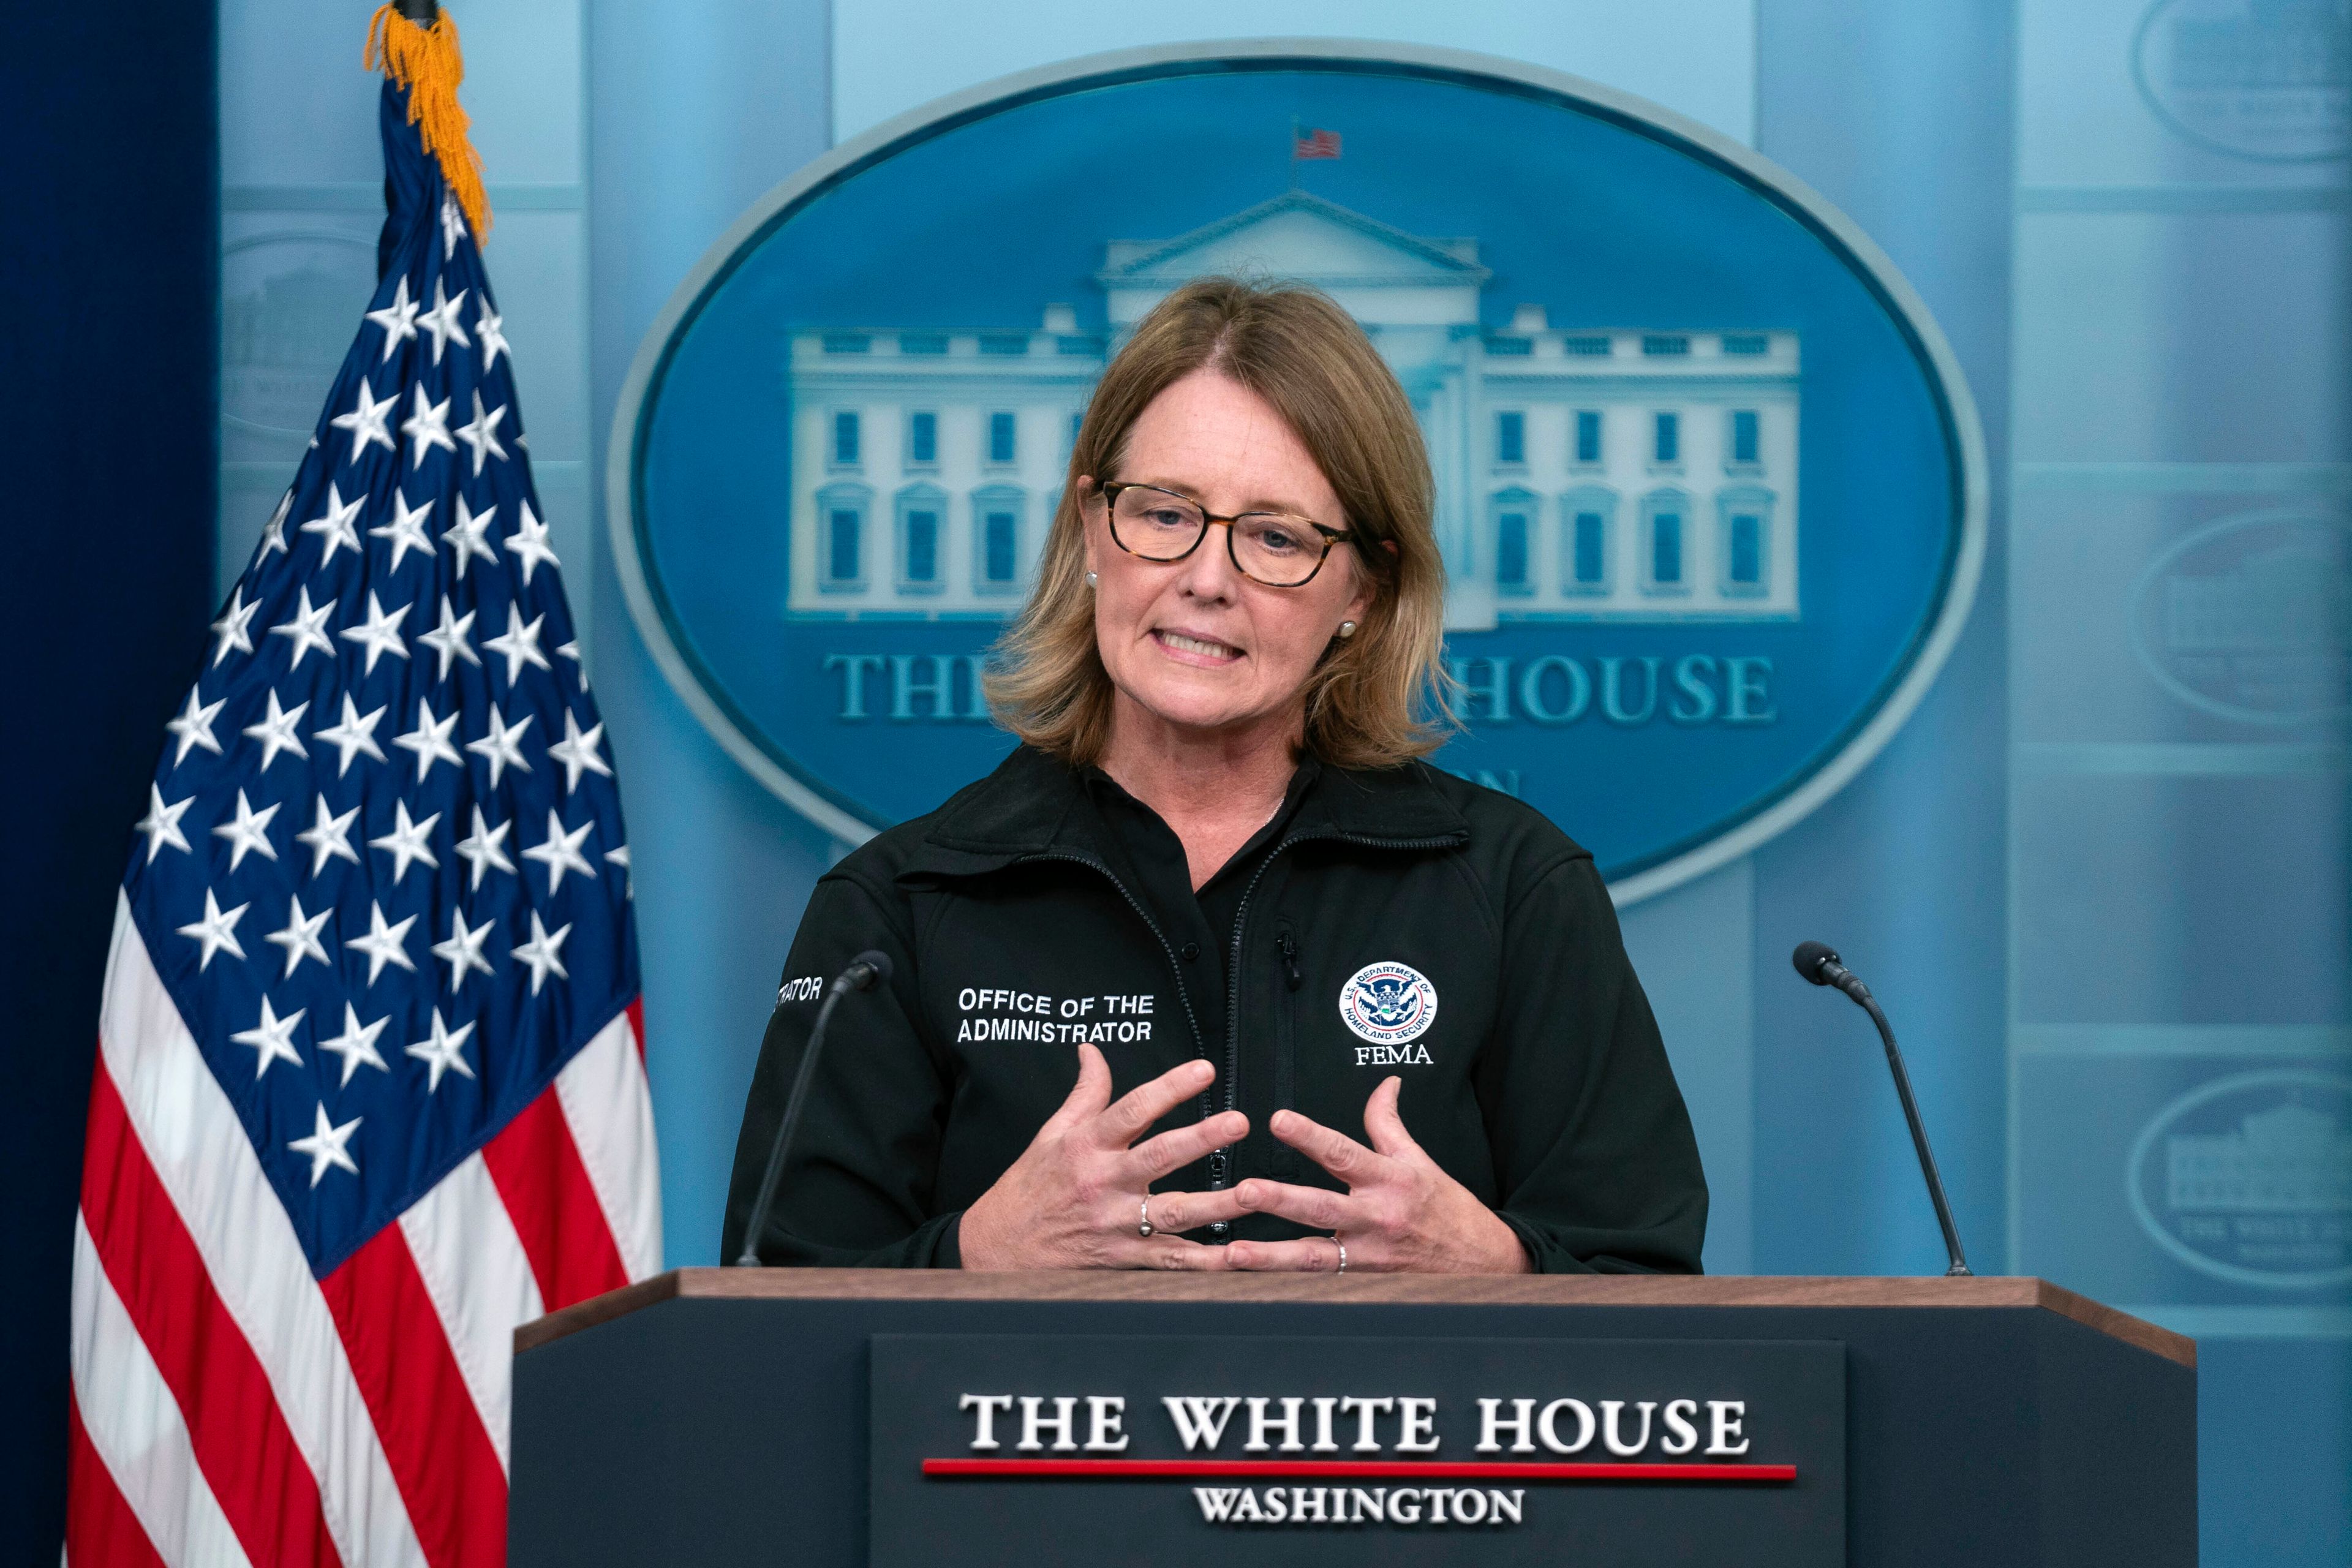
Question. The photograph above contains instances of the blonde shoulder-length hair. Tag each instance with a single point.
(1375, 700)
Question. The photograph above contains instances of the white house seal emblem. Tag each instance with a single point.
(1388, 1003)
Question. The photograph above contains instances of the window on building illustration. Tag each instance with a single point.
(1667, 444)
(1588, 435)
(922, 547)
(1588, 550)
(1745, 541)
(1745, 566)
(1000, 547)
(1004, 343)
(841, 564)
(1746, 343)
(1511, 551)
(922, 437)
(1746, 441)
(1664, 344)
(844, 437)
(1511, 437)
(847, 342)
(1586, 347)
(999, 438)
(1666, 549)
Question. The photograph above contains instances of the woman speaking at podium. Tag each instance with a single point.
(1214, 972)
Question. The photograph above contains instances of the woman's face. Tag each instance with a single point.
(1194, 642)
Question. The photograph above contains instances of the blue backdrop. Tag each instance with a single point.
(2061, 876)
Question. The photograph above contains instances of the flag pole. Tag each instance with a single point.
(1294, 151)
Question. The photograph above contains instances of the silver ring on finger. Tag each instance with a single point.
(1144, 1227)
(1343, 1255)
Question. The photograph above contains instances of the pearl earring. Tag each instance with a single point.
(1347, 628)
(1090, 579)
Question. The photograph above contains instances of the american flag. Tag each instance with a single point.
(1313, 144)
(370, 1089)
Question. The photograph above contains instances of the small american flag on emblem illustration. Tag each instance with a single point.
(1318, 143)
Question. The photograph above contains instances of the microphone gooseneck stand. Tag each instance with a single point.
(864, 971)
(1820, 966)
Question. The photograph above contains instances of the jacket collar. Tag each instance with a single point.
(1028, 809)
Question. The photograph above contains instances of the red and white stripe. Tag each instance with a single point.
(229, 1407)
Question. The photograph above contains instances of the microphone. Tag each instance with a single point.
(1819, 964)
(867, 970)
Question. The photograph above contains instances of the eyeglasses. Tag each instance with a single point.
(1269, 547)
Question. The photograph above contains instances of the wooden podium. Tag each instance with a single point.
(783, 1416)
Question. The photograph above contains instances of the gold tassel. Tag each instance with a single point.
(425, 61)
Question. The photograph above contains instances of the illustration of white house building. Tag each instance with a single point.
(1583, 474)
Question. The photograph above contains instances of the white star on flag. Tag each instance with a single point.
(442, 1051)
(307, 630)
(442, 320)
(328, 836)
(406, 530)
(463, 951)
(487, 333)
(326, 1146)
(218, 932)
(466, 537)
(430, 740)
(250, 830)
(398, 318)
(234, 627)
(380, 633)
(482, 435)
(427, 427)
(162, 825)
(447, 640)
(353, 735)
(334, 526)
(366, 422)
(300, 936)
(577, 751)
(383, 943)
(356, 1044)
(272, 1039)
(194, 727)
(561, 851)
(405, 843)
(502, 746)
(519, 644)
(276, 731)
(484, 849)
(529, 544)
(539, 954)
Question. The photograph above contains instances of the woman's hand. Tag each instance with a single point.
(1400, 1212)
(1074, 1199)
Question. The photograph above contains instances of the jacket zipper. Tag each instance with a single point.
(1219, 1162)
(1175, 968)
(1286, 1047)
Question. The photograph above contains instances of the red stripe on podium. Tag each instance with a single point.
(1349, 1469)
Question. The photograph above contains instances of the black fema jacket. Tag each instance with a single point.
(1541, 1083)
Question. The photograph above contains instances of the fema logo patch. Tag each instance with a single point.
(1388, 1003)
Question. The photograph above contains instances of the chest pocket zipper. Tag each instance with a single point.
(1287, 1165)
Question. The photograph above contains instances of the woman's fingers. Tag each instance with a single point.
(1174, 1252)
(1384, 1124)
(1173, 1150)
(1190, 1211)
(1137, 1110)
(1089, 1094)
(1318, 1208)
(1335, 1151)
(1308, 1255)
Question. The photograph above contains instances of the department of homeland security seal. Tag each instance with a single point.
(1388, 1003)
